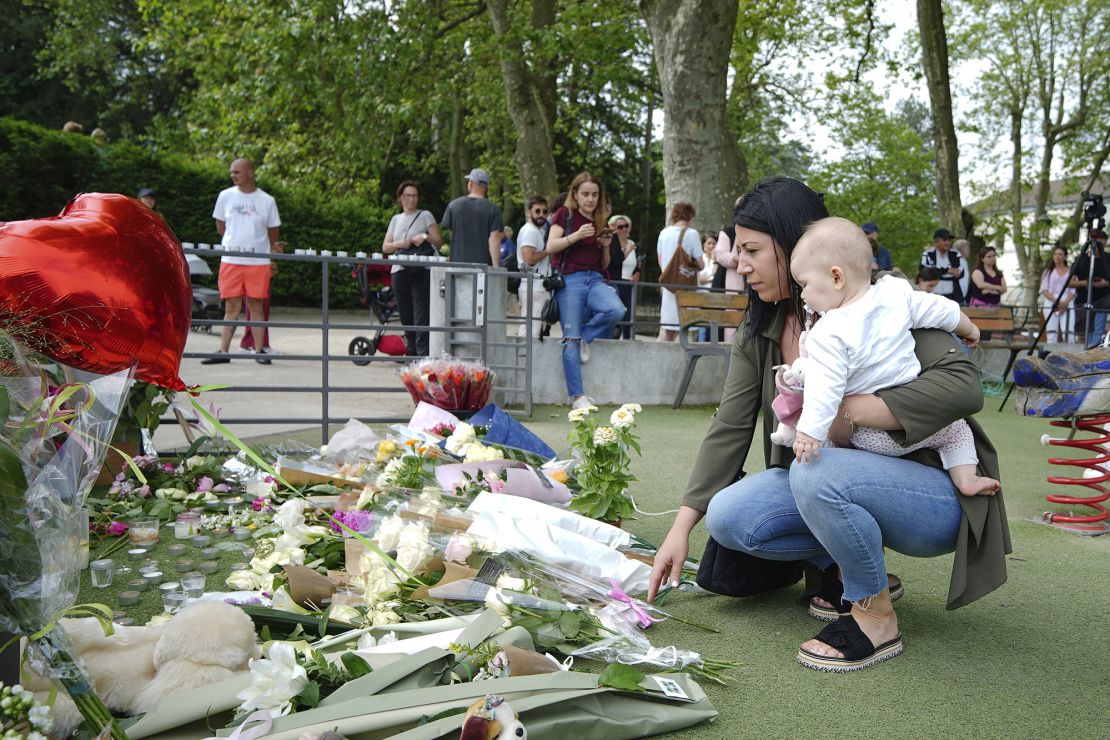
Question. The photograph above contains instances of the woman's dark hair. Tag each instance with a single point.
(1051, 262)
(979, 262)
(927, 275)
(782, 208)
(408, 184)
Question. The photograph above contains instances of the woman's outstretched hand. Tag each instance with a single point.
(669, 560)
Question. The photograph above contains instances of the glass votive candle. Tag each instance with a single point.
(148, 566)
(202, 540)
(184, 566)
(137, 584)
(193, 585)
(360, 255)
(128, 598)
(169, 587)
(152, 577)
(209, 553)
(143, 531)
(137, 553)
(240, 533)
(176, 550)
(208, 567)
(100, 572)
(173, 601)
(124, 622)
(238, 566)
(340, 253)
(187, 525)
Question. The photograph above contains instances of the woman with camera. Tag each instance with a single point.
(411, 232)
(588, 306)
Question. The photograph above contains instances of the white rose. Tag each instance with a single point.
(605, 436)
(345, 613)
(243, 580)
(493, 601)
(290, 515)
(388, 533)
(481, 453)
(463, 435)
(378, 586)
(509, 583)
(383, 617)
(366, 498)
(635, 408)
(194, 461)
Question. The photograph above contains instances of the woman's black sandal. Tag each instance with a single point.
(845, 635)
(833, 593)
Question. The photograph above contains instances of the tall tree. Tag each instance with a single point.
(529, 81)
(701, 158)
(934, 54)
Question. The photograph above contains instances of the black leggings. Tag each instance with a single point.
(412, 288)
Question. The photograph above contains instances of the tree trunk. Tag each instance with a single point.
(1025, 253)
(646, 240)
(526, 100)
(1071, 233)
(934, 51)
(701, 160)
(456, 150)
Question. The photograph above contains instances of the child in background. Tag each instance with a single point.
(862, 343)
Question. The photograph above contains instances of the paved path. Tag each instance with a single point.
(297, 375)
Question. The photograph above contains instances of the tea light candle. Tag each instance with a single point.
(378, 255)
(340, 254)
(184, 565)
(124, 621)
(360, 255)
(128, 598)
(186, 245)
(325, 253)
(298, 251)
(176, 550)
(240, 533)
(208, 567)
(152, 577)
(209, 553)
(169, 587)
(202, 540)
(311, 252)
(137, 553)
(238, 566)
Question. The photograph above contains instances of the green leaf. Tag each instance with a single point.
(5, 404)
(356, 666)
(621, 677)
(310, 694)
(569, 624)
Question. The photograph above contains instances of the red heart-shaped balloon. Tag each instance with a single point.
(101, 287)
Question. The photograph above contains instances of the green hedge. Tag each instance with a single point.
(43, 169)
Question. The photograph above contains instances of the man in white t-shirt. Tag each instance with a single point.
(530, 252)
(247, 219)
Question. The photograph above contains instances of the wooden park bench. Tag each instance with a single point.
(1004, 333)
(711, 311)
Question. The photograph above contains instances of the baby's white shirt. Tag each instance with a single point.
(867, 346)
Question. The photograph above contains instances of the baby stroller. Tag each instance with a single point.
(206, 301)
(375, 292)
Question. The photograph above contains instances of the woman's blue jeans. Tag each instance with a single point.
(843, 508)
(588, 308)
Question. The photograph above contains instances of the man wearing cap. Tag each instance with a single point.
(475, 223)
(1100, 288)
(948, 261)
(147, 197)
(880, 256)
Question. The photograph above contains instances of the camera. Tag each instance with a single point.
(1094, 209)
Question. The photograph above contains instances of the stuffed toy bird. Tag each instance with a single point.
(491, 718)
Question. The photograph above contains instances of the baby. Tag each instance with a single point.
(862, 343)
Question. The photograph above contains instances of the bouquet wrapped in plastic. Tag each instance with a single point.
(54, 432)
(449, 383)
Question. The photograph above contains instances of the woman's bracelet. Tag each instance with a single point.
(848, 418)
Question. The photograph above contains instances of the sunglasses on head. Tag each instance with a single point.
(623, 226)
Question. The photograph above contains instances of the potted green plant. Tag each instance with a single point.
(603, 453)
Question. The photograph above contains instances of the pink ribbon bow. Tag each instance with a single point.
(617, 594)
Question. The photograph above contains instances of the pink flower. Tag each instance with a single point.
(269, 479)
(204, 484)
(167, 467)
(115, 529)
(259, 503)
(221, 488)
(496, 485)
(143, 492)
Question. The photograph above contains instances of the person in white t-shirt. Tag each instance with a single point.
(530, 252)
(862, 344)
(247, 219)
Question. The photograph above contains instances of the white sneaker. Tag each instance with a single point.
(583, 352)
(581, 402)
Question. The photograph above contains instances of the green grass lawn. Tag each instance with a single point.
(1025, 661)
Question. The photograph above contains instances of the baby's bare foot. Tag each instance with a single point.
(979, 486)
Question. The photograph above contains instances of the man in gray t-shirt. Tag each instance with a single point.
(475, 223)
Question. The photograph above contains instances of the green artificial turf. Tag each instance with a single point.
(1026, 661)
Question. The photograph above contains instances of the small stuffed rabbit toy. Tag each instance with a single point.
(790, 381)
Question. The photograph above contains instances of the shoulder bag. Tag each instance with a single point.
(682, 269)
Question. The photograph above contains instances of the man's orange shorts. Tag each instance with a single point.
(236, 281)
